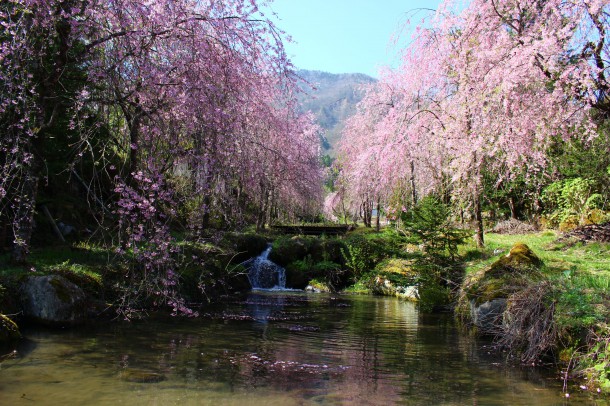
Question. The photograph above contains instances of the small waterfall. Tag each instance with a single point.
(265, 274)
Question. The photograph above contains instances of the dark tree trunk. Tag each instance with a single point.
(205, 219)
(412, 181)
(478, 217)
(366, 212)
(50, 106)
(134, 141)
(262, 213)
(23, 222)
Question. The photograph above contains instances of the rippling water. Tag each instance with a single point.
(274, 349)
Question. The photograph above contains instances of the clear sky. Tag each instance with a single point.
(345, 36)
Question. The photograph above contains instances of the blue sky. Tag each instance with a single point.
(345, 36)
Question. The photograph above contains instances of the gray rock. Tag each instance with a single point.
(488, 315)
(383, 286)
(53, 300)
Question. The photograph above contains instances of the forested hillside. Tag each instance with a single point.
(332, 98)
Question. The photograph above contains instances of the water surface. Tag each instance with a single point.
(274, 348)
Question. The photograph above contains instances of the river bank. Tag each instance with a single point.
(365, 262)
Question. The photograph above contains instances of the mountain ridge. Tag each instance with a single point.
(332, 98)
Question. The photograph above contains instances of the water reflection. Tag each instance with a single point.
(274, 348)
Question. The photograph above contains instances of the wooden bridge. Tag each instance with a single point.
(313, 230)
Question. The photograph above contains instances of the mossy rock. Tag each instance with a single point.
(318, 286)
(332, 250)
(297, 277)
(141, 376)
(520, 258)
(9, 332)
(394, 277)
(381, 285)
(484, 295)
(510, 273)
(398, 266)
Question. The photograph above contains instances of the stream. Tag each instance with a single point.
(274, 348)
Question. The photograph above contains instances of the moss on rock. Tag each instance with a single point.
(318, 286)
(520, 259)
(394, 277)
(510, 273)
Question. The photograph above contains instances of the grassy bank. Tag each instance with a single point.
(557, 254)
(204, 271)
(575, 282)
(574, 288)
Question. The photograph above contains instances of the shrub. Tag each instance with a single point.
(569, 201)
(429, 223)
(362, 254)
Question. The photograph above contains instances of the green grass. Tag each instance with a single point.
(359, 288)
(592, 258)
(79, 259)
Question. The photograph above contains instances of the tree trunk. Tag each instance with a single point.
(134, 141)
(23, 222)
(50, 104)
(378, 221)
(205, 219)
(478, 217)
(262, 213)
(513, 211)
(412, 180)
(366, 213)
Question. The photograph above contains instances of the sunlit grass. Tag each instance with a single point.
(592, 258)
(78, 259)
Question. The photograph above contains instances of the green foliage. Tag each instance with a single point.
(245, 245)
(363, 254)
(308, 257)
(289, 249)
(595, 362)
(433, 295)
(429, 223)
(505, 199)
(587, 159)
(574, 197)
(361, 287)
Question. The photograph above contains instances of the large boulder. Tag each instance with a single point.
(485, 294)
(53, 300)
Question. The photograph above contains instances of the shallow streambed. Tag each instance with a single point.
(273, 349)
